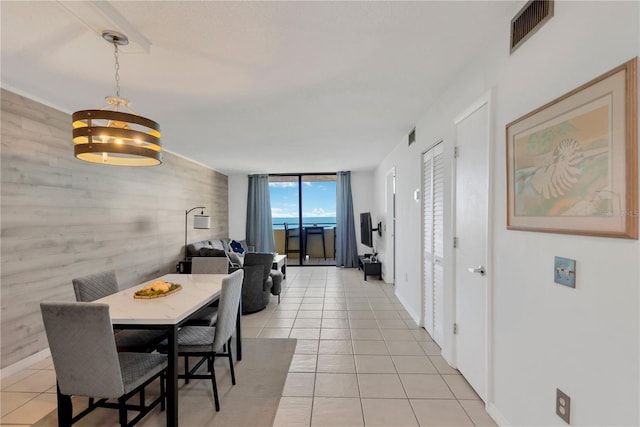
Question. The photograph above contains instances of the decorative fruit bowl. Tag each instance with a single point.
(157, 289)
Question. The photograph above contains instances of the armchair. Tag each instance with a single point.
(257, 283)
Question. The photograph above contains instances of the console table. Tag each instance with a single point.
(370, 268)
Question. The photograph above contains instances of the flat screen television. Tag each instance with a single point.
(366, 229)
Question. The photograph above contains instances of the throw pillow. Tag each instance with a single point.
(212, 252)
(236, 247)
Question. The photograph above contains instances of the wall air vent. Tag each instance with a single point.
(530, 18)
(412, 136)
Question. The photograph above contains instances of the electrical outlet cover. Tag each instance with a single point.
(564, 271)
(563, 406)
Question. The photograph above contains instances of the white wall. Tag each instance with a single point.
(584, 341)
(408, 166)
(362, 195)
(362, 184)
(238, 188)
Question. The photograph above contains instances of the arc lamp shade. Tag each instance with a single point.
(201, 222)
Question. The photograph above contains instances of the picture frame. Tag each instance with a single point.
(572, 164)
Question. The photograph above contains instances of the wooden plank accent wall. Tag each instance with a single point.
(63, 218)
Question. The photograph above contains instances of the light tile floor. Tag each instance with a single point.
(360, 361)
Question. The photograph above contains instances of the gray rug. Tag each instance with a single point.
(252, 402)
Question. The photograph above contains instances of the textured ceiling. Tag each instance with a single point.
(254, 86)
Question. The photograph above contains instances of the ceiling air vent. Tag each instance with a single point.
(412, 136)
(530, 18)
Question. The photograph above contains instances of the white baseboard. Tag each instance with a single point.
(25, 363)
(493, 411)
(414, 316)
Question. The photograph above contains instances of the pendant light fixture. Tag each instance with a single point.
(115, 135)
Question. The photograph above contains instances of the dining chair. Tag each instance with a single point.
(88, 364)
(98, 285)
(206, 316)
(210, 342)
(209, 265)
(95, 286)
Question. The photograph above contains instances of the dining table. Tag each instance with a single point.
(168, 313)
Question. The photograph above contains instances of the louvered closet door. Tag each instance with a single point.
(427, 240)
(433, 245)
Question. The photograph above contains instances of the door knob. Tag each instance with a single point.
(479, 269)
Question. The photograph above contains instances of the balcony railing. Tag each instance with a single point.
(314, 241)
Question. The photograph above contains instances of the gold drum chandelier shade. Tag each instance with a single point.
(114, 137)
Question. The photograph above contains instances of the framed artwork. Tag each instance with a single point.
(572, 164)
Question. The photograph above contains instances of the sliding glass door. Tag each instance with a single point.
(303, 207)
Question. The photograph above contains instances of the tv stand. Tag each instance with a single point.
(369, 268)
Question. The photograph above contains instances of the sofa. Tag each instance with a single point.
(215, 249)
(257, 288)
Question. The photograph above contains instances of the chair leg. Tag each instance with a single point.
(142, 398)
(186, 369)
(65, 409)
(122, 412)
(278, 299)
(163, 391)
(233, 374)
(305, 238)
(214, 385)
(324, 251)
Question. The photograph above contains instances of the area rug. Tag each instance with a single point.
(252, 402)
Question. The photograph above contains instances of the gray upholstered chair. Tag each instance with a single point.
(209, 265)
(257, 285)
(87, 363)
(207, 316)
(207, 342)
(95, 286)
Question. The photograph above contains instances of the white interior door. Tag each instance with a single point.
(471, 230)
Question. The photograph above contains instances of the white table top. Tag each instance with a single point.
(197, 291)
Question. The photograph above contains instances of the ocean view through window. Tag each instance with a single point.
(306, 203)
(318, 201)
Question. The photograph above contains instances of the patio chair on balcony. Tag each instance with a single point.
(315, 230)
(291, 233)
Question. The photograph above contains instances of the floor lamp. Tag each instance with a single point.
(200, 222)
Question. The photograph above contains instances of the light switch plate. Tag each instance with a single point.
(564, 271)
